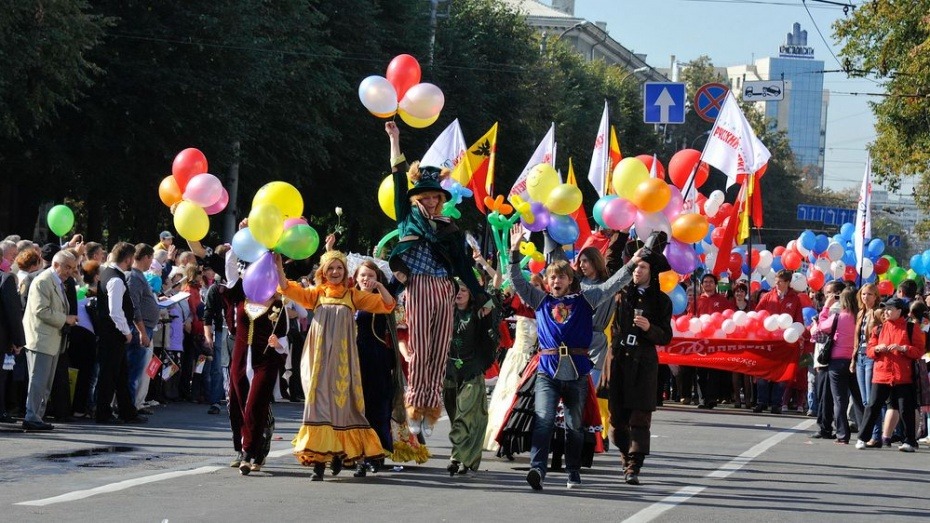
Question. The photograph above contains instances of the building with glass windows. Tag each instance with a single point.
(803, 111)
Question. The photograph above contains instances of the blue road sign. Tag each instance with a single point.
(826, 215)
(708, 100)
(664, 102)
(894, 240)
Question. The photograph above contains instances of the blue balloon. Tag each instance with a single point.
(765, 286)
(809, 314)
(710, 230)
(808, 239)
(563, 229)
(849, 258)
(679, 300)
(699, 247)
(820, 243)
(847, 230)
(246, 247)
(838, 238)
(917, 263)
(812, 257)
(876, 247)
(776, 264)
(925, 257)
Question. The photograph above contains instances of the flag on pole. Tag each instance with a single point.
(863, 215)
(479, 160)
(729, 234)
(448, 151)
(615, 157)
(584, 228)
(545, 153)
(600, 158)
(733, 146)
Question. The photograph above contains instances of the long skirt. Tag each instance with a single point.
(509, 379)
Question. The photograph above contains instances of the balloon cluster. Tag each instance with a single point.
(275, 223)
(729, 324)
(60, 219)
(418, 104)
(196, 193)
(551, 205)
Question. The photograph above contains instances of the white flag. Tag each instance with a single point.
(600, 159)
(545, 153)
(448, 149)
(863, 215)
(733, 146)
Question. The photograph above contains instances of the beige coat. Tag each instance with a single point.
(45, 314)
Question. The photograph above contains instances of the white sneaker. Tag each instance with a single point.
(413, 426)
(860, 445)
(924, 440)
(427, 429)
(906, 447)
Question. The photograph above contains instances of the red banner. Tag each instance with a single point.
(153, 367)
(774, 360)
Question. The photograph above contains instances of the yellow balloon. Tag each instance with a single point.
(385, 115)
(386, 196)
(667, 281)
(266, 223)
(690, 227)
(564, 199)
(416, 123)
(540, 182)
(191, 221)
(628, 174)
(652, 195)
(282, 195)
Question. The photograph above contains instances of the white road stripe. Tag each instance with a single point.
(683, 495)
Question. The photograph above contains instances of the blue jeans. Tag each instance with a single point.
(136, 360)
(864, 366)
(769, 393)
(548, 392)
(213, 370)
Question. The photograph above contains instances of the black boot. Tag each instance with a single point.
(318, 470)
(336, 466)
(361, 470)
(453, 468)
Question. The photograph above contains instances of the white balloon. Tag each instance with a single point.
(867, 267)
(798, 282)
(838, 269)
(710, 260)
(740, 318)
(694, 326)
(823, 265)
(711, 207)
(792, 335)
(378, 95)
(717, 196)
(771, 323)
(798, 247)
(423, 101)
(770, 278)
(835, 251)
(765, 261)
(784, 321)
(728, 326)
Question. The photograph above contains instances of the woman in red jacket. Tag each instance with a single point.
(893, 350)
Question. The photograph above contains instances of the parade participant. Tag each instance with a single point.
(377, 361)
(334, 427)
(429, 253)
(259, 349)
(564, 319)
(894, 349)
(840, 310)
(862, 364)
(738, 379)
(518, 356)
(471, 353)
(643, 320)
(709, 302)
(781, 299)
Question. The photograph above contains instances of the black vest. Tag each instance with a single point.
(104, 322)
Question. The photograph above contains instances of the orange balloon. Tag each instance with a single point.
(668, 280)
(690, 227)
(169, 192)
(651, 195)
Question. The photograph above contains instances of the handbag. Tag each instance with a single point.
(825, 347)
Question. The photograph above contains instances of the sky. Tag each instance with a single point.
(733, 32)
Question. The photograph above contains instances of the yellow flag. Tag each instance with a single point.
(571, 174)
(744, 215)
(479, 160)
(615, 157)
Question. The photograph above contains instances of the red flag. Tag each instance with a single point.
(729, 236)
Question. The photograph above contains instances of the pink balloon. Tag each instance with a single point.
(260, 280)
(619, 214)
(291, 222)
(647, 223)
(673, 208)
(220, 204)
(204, 190)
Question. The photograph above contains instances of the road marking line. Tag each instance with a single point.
(116, 487)
(683, 495)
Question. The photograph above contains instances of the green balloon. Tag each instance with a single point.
(896, 275)
(891, 261)
(299, 242)
(82, 292)
(911, 275)
(60, 219)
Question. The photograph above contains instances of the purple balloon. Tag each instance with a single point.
(681, 257)
(260, 281)
(541, 215)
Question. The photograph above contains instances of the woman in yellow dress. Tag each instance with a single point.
(334, 426)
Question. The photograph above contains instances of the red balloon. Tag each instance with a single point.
(188, 163)
(681, 323)
(791, 260)
(754, 259)
(815, 280)
(537, 266)
(736, 265)
(885, 288)
(717, 236)
(778, 251)
(881, 265)
(727, 314)
(681, 165)
(850, 274)
(647, 159)
(754, 286)
(403, 72)
(723, 213)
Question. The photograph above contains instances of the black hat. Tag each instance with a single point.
(49, 250)
(654, 245)
(896, 302)
(429, 182)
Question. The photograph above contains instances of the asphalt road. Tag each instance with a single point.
(721, 465)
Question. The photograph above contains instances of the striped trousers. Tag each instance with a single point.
(429, 306)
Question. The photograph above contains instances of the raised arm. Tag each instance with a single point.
(596, 294)
(399, 172)
(307, 298)
(530, 295)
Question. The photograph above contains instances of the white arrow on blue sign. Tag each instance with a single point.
(664, 102)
